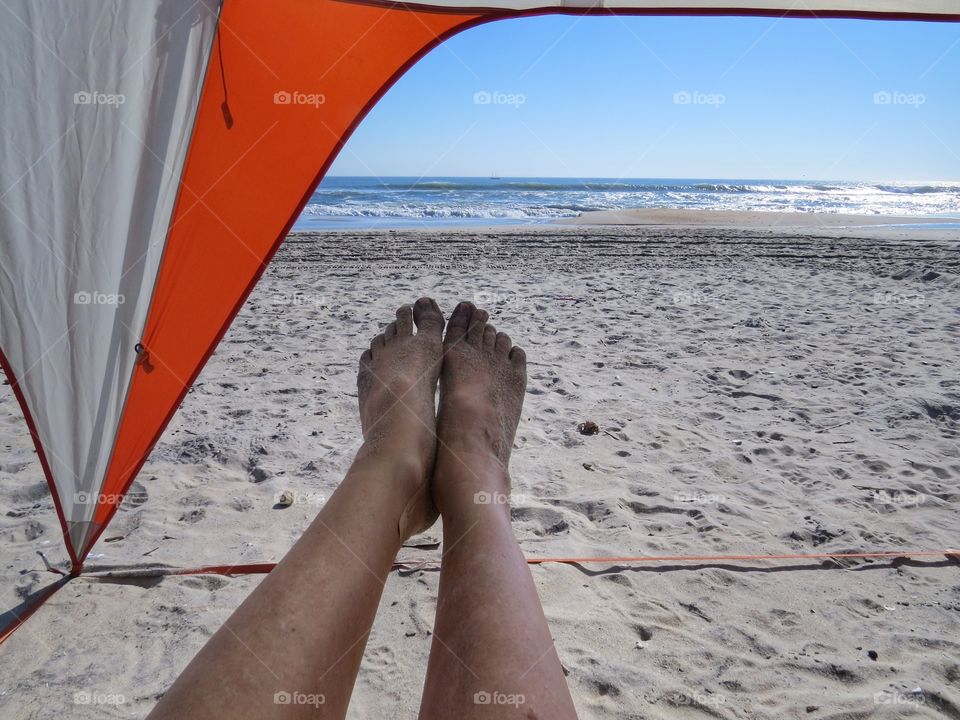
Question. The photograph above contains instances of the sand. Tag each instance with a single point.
(758, 391)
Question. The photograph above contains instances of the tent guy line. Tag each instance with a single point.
(615, 562)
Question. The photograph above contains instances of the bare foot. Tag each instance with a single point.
(396, 385)
(481, 395)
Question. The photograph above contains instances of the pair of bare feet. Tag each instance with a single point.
(482, 379)
(492, 655)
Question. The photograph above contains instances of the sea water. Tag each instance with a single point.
(370, 202)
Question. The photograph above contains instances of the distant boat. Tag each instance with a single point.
(494, 176)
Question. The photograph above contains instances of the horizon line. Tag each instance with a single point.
(649, 177)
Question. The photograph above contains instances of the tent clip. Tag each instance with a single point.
(144, 358)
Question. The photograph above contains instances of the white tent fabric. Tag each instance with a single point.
(98, 103)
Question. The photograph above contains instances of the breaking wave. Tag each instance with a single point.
(427, 200)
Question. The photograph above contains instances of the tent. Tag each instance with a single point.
(153, 156)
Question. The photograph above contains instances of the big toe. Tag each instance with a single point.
(429, 318)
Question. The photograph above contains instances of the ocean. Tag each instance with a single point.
(369, 202)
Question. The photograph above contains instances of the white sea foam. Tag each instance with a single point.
(538, 199)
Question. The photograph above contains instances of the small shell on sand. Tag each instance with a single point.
(285, 499)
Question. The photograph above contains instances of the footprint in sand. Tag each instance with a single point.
(206, 582)
(135, 497)
(193, 516)
(604, 688)
(595, 511)
(645, 633)
(544, 520)
(618, 579)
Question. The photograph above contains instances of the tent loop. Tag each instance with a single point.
(50, 568)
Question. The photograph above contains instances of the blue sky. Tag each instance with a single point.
(674, 97)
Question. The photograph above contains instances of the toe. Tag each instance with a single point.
(376, 345)
(489, 337)
(391, 331)
(459, 321)
(519, 358)
(428, 317)
(503, 343)
(365, 359)
(405, 320)
(477, 325)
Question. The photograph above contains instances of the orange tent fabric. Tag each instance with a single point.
(287, 84)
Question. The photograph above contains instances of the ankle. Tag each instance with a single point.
(468, 514)
(469, 482)
(466, 444)
(405, 469)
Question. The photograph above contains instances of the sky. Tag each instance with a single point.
(620, 97)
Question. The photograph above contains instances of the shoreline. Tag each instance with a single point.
(662, 217)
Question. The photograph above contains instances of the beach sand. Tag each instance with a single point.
(759, 390)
